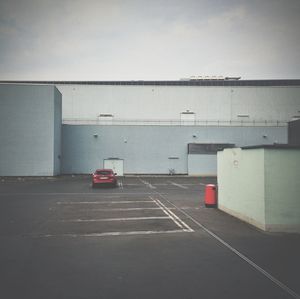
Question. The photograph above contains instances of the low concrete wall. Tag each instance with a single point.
(241, 185)
(282, 190)
(260, 186)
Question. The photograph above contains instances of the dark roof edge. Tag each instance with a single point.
(272, 146)
(269, 82)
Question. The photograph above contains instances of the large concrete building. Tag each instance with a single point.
(30, 130)
(149, 127)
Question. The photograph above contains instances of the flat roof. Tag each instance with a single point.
(272, 146)
(276, 82)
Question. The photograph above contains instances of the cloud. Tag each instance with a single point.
(125, 40)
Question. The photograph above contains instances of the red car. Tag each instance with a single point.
(104, 177)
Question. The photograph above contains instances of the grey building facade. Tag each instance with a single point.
(30, 130)
(294, 132)
(155, 149)
(147, 125)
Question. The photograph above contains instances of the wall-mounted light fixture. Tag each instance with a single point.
(194, 136)
(264, 136)
(95, 135)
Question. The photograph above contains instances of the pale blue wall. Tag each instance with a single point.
(31, 142)
(204, 165)
(148, 148)
(57, 131)
(167, 102)
(241, 184)
(261, 186)
(282, 189)
(27, 138)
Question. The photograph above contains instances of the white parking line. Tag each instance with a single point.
(108, 195)
(126, 209)
(147, 184)
(116, 219)
(121, 185)
(158, 205)
(149, 232)
(178, 185)
(101, 202)
(174, 217)
(174, 220)
(238, 253)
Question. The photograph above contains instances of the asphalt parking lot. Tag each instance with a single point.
(151, 237)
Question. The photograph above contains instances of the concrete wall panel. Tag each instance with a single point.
(204, 165)
(261, 186)
(294, 132)
(167, 102)
(26, 130)
(241, 184)
(57, 131)
(148, 149)
(282, 173)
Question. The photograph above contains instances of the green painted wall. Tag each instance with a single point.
(241, 184)
(261, 186)
(282, 189)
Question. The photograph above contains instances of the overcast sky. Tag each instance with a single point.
(148, 39)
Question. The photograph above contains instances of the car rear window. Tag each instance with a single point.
(103, 172)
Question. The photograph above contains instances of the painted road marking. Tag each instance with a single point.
(178, 185)
(174, 220)
(174, 217)
(126, 209)
(235, 251)
(150, 232)
(115, 194)
(101, 202)
(117, 219)
(121, 185)
(158, 206)
(147, 184)
(132, 184)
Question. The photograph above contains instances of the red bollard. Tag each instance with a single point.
(210, 197)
